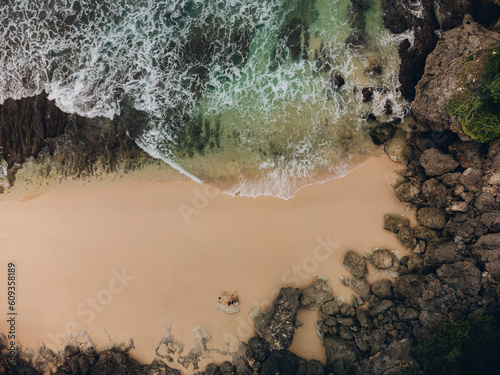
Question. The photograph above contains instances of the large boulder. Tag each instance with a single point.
(438, 254)
(436, 163)
(317, 294)
(462, 276)
(340, 354)
(445, 74)
(431, 217)
(276, 325)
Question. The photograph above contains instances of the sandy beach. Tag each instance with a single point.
(128, 260)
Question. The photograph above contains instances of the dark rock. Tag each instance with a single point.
(257, 349)
(491, 220)
(347, 309)
(380, 307)
(281, 362)
(227, 368)
(406, 313)
(488, 242)
(409, 192)
(430, 217)
(415, 263)
(434, 192)
(438, 254)
(112, 362)
(382, 289)
(471, 178)
(356, 41)
(382, 133)
(277, 324)
(450, 13)
(354, 264)
(485, 203)
(317, 294)
(396, 359)
(336, 80)
(451, 179)
(346, 321)
(407, 237)
(212, 369)
(467, 154)
(381, 258)
(362, 317)
(467, 229)
(424, 233)
(408, 286)
(360, 285)
(461, 276)
(340, 354)
(436, 163)
(313, 367)
(367, 93)
(394, 223)
(330, 308)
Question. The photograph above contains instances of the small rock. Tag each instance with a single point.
(367, 93)
(434, 192)
(336, 80)
(355, 264)
(380, 307)
(461, 276)
(360, 285)
(424, 233)
(394, 223)
(347, 310)
(438, 254)
(380, 258)
(397, 148)
(407, 237)
(330, 308)
(373, 67)
(471, 178)
(451, 179)
(382, 288)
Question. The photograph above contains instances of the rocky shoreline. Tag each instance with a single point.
(452, 183)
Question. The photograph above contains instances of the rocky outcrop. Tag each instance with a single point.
(445, 75)
(277, 324)
(450, 13)
(317, 294)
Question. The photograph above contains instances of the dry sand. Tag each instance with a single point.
(179, 246)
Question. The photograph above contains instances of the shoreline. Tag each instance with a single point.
(322, 211)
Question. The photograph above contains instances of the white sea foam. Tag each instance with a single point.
(283, 123)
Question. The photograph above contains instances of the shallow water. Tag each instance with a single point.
(236, 92)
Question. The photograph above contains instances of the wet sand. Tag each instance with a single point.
(127, 260)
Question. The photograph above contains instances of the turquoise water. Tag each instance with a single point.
(238, 93)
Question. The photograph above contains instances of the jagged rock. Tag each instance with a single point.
(336, 80)
(380, 307)
(355, 264)
(465, 229)
(330, 308)
(488, 242)
(281, 362)
(367, 94)
(360, 285)
(212, 369)
(398, 17)
(362, 317)
(406, 313)
(409, 192)
(445, 74)
(317, 294)
(277, 324)
(461, 276)
(347, 310)
(407, 237)
(381, 258)
(394, 223)
(450, 179)
(438, 254)
(397, 148)
(227, 368)
(434, 192)
(471, 178)
(431, 217)
(415, 263)
(408, 286)
(424, 233)
(257, 349)
(115, 362)
(396, 359)
(437, 163)
(313, 367)
(450, 13)
(485, 202)
(382, 288)
(491, 220)
(467, 154)
(382, 133)
(339, 354)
